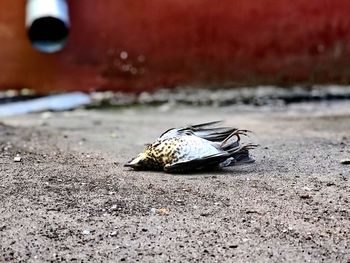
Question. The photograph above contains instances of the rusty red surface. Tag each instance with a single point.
(145, 44)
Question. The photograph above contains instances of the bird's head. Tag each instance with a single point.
(139, 162)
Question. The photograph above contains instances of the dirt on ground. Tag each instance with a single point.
(69, 198)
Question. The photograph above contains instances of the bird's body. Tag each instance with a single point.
(185, 150)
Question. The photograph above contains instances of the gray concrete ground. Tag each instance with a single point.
(71, 199)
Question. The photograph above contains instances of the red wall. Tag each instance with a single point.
(172, 42)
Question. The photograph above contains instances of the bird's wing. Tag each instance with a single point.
(205, 124)
(207, 130)
(214, 134)
(205, 163)
(174, 132)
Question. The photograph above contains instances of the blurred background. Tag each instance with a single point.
(142, 45)
(50, 46)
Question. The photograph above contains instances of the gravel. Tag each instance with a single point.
(291, 205)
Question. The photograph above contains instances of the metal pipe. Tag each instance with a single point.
(47, 22)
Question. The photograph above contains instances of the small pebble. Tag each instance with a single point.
(163, 211)
(204, 214)
(345, 161)
(86, 232)
(305, 196)
(113, 234)
(17, 158)
(305, 188)
(153, 211)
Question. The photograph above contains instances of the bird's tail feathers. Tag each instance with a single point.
(232, 141)
(242, 156)
(210, 131)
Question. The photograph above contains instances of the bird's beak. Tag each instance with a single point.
(134, 163)
(131, 164)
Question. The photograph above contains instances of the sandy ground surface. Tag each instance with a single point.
(71, 199)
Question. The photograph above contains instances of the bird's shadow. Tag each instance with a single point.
(233, 171)
(224, 171)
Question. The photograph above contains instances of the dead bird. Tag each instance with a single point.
(194, 148)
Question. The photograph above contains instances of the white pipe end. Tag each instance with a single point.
(47, 22)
